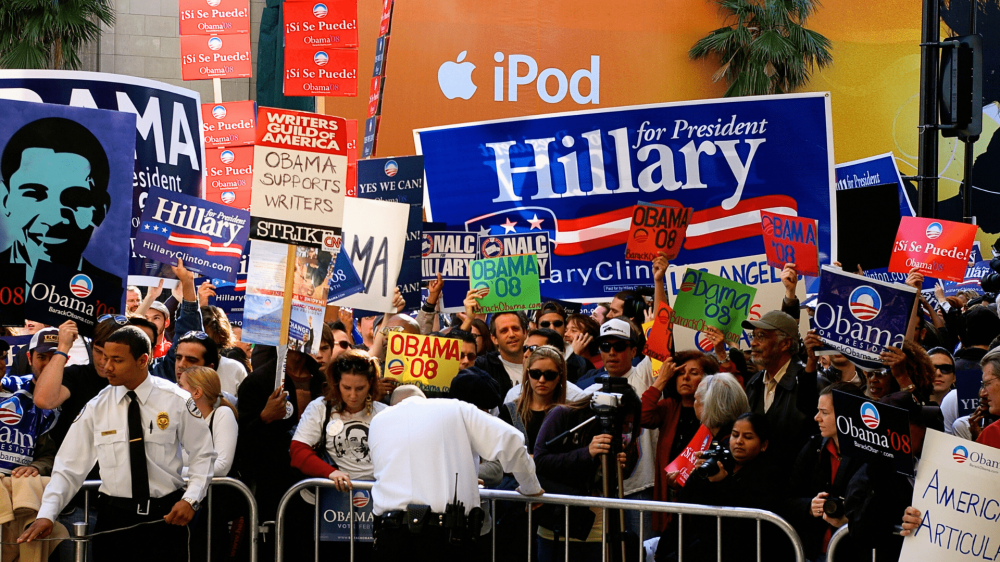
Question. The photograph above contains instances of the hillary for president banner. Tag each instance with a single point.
(67, 175)
(957, 490)
(209, 237)
(168, 152)
(859, 317)
(579, 175)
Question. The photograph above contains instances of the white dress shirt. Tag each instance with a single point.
(100, 432)
(231, 374)
(420, 444)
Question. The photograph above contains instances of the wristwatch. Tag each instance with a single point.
(195, 504)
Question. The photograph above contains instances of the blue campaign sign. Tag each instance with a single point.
(971, 283)
(859, 317)
(448, 253)
(335, 508)
(967, 384)
(23, 421)
(872, 430)
(229, 296)
(15, 343)
(874, 170)
(169, 152)
(577, 176)
(209, 237)
(344, 281)
(67, 176)
(401, 180)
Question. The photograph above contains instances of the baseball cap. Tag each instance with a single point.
(161, 308)
(774, 320)
(616, 328)
(44, 340)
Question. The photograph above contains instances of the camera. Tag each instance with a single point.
(715, 453)
(834, 507)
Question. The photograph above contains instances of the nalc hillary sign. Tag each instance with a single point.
(299, 177)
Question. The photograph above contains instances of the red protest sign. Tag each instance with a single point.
(352, 157)
(331, 24)
(214, 17)
(217, 56)
(228, 124)
(654, 229)
(386, 17)
(321, 72)
(375, 95)
(660, 339)
(686, 462)
(789, 239)
(229, 168)
(236, 198)
(938, 248)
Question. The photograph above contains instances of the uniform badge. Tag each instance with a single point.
(162, 420)
(334, 428)
(80, 415)
(192, 408)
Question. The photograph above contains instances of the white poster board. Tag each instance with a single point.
(374, 238)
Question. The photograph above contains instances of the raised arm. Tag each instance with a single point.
(49, 391)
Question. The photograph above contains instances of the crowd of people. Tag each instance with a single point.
(767, 410)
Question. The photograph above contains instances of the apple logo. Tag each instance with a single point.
(455, 78)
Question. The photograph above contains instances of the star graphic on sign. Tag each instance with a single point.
(146, 226)
(535, 222)
(156, 228)
(508, 226)
(483, 231)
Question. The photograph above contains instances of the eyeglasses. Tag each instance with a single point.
(761, 335)
(945, 368)
(344, 344)
(530, 348)
(536, 374)
(195, 334)
(553, 323)
(471, 357)
(619, 346)
(986, 382)
(119, 319)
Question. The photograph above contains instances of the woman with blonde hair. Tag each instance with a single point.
(206, 391)
(543, 385)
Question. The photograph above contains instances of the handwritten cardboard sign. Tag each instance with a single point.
(215, 56)
(375, 240)
(686, 462)
(299, 177)
(789, 239)
(229, 124)
(506, 283)
(660, 339)
(710, 300)
(872, 430)
(654, 229)
(938, 248)
(427, 361)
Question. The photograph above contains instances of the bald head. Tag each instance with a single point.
(409, 325)
(405, 391)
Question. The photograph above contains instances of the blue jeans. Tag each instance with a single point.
(632, 517)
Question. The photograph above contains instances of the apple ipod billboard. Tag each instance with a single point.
(455, 79)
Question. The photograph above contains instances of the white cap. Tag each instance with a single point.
(616, 328)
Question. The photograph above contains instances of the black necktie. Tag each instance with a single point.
(137, 451)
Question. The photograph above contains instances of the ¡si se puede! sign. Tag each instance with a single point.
(217, 56)
(427, 361)
(299, 177)
(938, 248)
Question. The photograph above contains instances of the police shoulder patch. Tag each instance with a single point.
(192, 408)
(80, 415)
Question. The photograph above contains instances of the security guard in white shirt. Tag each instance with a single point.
(133, 428)
(424, 455)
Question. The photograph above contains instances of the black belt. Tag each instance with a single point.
(152, 505)
(395, 519)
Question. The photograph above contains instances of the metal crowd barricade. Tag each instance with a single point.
(681, 509)
(90, 486)
(835, 540)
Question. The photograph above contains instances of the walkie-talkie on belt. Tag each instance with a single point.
(454, 517)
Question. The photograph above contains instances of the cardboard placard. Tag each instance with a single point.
(59, 294)
(686, 462)
(537, 243)
(859, 317)
(371, 136)
(429, 362)
(215, 17)
(967, 385)
(508, 283)
(230, 296)
(660, 339)
(448, 253)
(330, 24)
(300, 172)
(383, 27)
(957, 490)
(938, 248)
(230, 168)
(710, 300)
(873, 430)
(375, 89)
(215, 56)
(789, 239)
(229, 124)
(374, 239)
(380, 49)
(336, 520)
(656, 228)
(321, 72)
(209, 237)
(352, 157)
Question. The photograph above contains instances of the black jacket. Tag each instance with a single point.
(968, 358)
(809, 476)
(491, 364)
(791, 413)
(576, 367)
(876, 498)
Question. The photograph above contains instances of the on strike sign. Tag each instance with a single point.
(655, 229)
(217, 56)
(938, 248)
(789, 239)
(299, 173)
(427, 361)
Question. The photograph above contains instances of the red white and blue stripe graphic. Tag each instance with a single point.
(193, 241)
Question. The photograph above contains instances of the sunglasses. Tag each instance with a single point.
(945, 369)
(195, 334)
(536, 374)
(619, 346)
(878, 374)
(469, 356)
(344, 344)
(386, 331)
(530, 348)
(119, 319)
(553, 323)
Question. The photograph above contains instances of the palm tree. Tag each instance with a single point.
(764, 48)
(49, 33)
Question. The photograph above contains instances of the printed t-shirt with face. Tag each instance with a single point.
(346, 437)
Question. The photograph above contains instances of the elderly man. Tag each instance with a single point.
(990, 435)
(782, 389)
